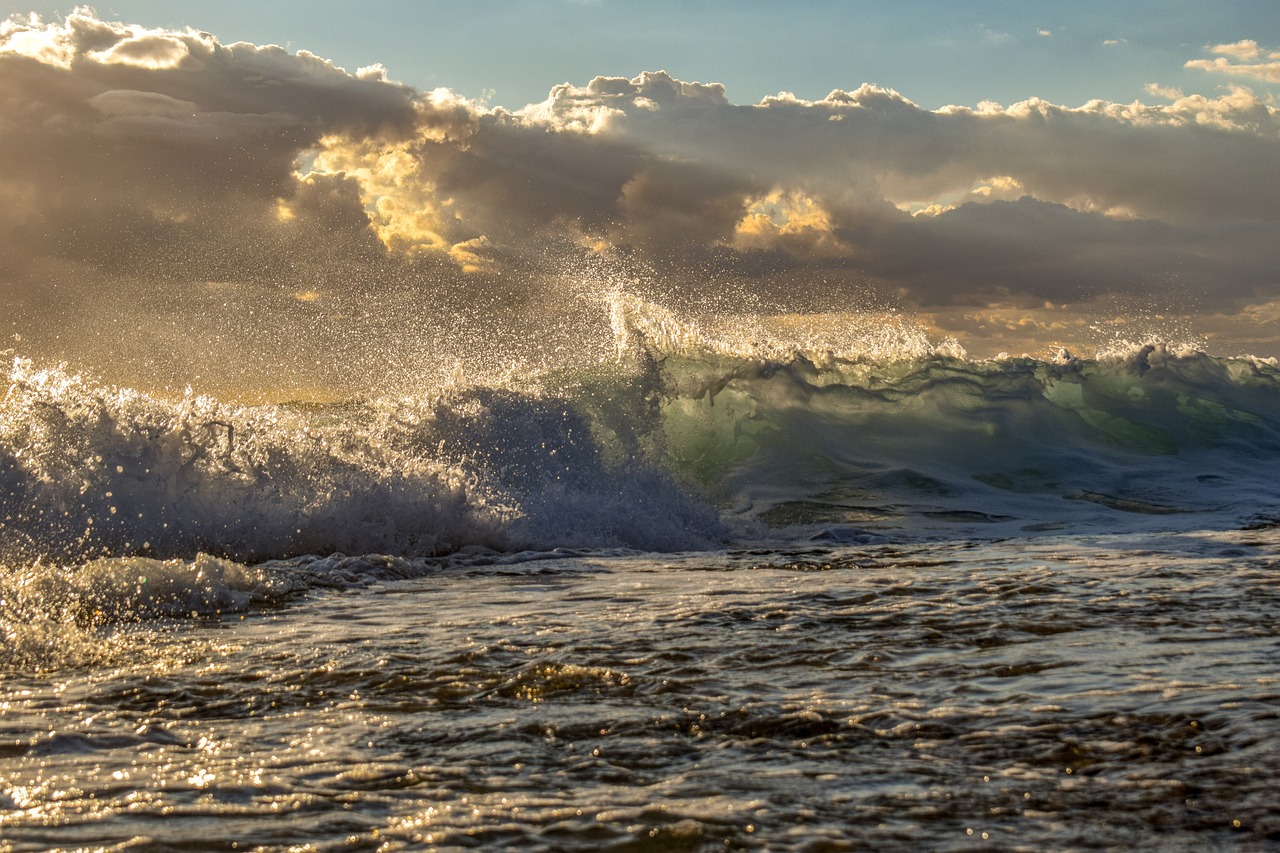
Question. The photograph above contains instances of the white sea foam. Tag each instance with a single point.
(88, 469)
(54, 615)
(112, 502)
(870, 426)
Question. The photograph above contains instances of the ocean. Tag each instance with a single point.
(714, 592)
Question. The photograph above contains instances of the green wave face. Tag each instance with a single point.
(1039, 442)
(671, 447)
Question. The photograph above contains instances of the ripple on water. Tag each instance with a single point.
(1046, 695)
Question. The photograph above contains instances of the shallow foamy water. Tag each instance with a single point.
(1066, 693)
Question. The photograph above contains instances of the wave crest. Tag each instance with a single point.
(697, 430)
(87, 469)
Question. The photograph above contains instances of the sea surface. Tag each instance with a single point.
(716, 593)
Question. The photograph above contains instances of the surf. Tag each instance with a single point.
(689, 438)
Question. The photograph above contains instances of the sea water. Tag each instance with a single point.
(713, 594)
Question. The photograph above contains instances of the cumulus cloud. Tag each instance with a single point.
(1028, 201)
(1241, 59)
(274, 203)
(132, 142)
(1244, 49)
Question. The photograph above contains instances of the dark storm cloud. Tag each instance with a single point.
(1038, 251)
(1034, 200)
(139, 145)
(170, 158)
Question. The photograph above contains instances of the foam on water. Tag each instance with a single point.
(871, 425)
(92, 470)
(697, 436)
(52, 616)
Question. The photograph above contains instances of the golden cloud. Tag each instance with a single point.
(789, 219)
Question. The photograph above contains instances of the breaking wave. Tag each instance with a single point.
(119, 508)
(694, 438)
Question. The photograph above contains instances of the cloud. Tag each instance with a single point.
(996, 37)
(185, 197)
(1245, 49)
(1167, 92)
(1239, 59)
(113, 121)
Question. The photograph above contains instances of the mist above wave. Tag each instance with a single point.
(696, 434)
(88, 469)
(877, 425)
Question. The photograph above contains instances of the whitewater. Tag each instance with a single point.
(732, 587)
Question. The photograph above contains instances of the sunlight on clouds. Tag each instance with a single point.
(1000, 187)
(1269, 71)
(1258, 333)
(561, 111)
(1237, 59)
(1264, 312)
(445, 116)
(31, 38)
(790, 217)
(995, 188)
(602, 105)
(130, 45)
(1240, 109)
(400, 195)
(122, 102)
(1086, 329)
(1168, 92)
(1049, 319)
(935, 209)
(377, 71)
(404, 209)
(467, 255)
(149, 50)
(154, 159)
(1243, 49)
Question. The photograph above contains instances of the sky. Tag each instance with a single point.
(936, 52)
(309, 185)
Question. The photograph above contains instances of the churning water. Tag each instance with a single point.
(720, 594)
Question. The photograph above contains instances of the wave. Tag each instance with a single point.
(1019, 440)
(119, 508)
(896, 435)
(92, 470)
(695, 437)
